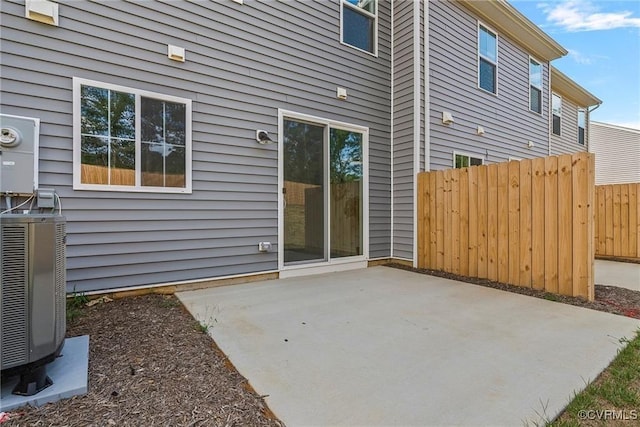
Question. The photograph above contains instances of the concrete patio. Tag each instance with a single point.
(383, 346)
(622, 274)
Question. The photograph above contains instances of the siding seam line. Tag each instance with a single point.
(391, 147)
(427, 95)
(416, 124)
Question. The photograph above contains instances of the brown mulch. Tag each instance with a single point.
(611, 299)
(151, 365)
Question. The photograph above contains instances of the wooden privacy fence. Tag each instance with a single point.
(617, 224)
(527, 223)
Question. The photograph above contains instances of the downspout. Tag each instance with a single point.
(416, 124)
(588, 124)
(550, 111)
(391, 130)
(427, 92)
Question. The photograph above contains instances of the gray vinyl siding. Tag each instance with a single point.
(617, 151)
(507, 121)
(567, 142)
(403, 129)
(243, 63)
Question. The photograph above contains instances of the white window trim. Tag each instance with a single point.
(584, 111)
(469, 155)
(553, 114)
(344, 3)
(354, 261)
(531, 58)
(479, 55)
(138, 93)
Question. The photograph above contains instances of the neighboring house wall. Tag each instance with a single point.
(403, 127)
(507, 121)
(243, 63)
(567, 142)
(617, 151)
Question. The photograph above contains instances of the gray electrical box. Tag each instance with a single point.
(18, 154)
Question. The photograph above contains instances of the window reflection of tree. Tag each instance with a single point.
(108, 135)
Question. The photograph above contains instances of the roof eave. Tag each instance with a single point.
(566, 87)
(507, 19)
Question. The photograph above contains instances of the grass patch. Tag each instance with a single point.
(201, 327)
(169, 302)
(75, 305)
(551, 297)
(614, 397)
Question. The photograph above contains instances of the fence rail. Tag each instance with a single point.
(527, 223)
(617, 220)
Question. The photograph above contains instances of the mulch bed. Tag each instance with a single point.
(152, 364)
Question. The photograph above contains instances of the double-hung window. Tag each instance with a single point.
(582, 119)
(465, 160)
(487, 59)
(556, 112)
(360, 24)
(535, 86)
(130, 140)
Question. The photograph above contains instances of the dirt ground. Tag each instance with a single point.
(152, 364)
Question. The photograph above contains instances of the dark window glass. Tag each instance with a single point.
(94, 111)
(163, 140)
(581, 125)
(94, 156)
(536, 99)
(110, 158)
(358, 29)
(487, 76)
(123, 115)
(461, 161)
(556, 124)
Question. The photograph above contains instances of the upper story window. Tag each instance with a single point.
(535, 86)
(359, 26)
(465, 160)
(130, 140)
(487, 59)
(582, 119)
(556, 112)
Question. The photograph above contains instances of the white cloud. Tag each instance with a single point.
(583, 58)
(579, 57)
(582, 15)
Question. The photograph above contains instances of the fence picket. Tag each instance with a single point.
(537, 223)
(565, 226)
(551, 224)
(530, 223)
(482, 222)
(526, 209)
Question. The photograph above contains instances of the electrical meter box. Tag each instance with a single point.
(18, 154)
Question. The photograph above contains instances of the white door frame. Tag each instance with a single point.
(337, 264)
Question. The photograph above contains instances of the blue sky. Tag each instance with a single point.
(603, 40)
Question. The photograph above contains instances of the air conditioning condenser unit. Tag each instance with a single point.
(33, 297)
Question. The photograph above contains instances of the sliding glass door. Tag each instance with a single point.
(304, 192)
(323, 192)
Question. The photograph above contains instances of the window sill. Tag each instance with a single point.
(128, 189)
(487, 92)
(374, 54)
